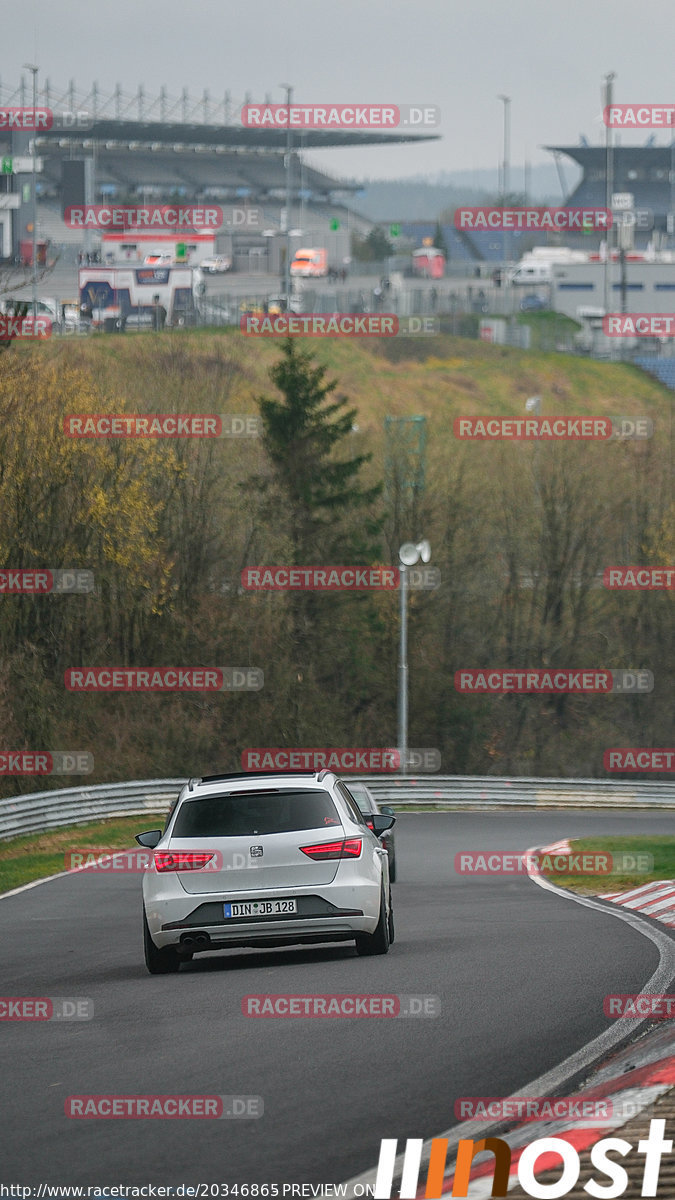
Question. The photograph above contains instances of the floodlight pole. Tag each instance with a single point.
(609, 187)
(289, 145)
(402, 740)
(34, 69)
(409, 554)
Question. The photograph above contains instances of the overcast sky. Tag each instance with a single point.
(458, 54)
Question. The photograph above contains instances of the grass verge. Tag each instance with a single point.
(662, 865)
(38, 855)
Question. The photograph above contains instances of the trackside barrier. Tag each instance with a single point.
(38, 811)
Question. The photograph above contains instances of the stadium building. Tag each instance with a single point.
(143, 150)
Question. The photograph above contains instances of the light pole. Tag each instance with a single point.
(609, 187)
(506, 183)
(34, 69)
(289, 145)
(409, 554)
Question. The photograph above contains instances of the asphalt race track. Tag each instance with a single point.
(521, 974)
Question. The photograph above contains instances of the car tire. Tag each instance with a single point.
(379, 941)
(390, 925)
(392, 866)
(158, 962)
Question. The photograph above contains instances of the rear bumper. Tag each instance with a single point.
(335, 912)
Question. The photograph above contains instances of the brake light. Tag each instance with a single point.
(180, 860)
(345, 848)
(370, 823)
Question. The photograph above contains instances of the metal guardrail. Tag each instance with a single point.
(39, 811)
(487, 791)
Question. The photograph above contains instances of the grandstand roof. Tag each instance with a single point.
(625, 156)
(233, 136)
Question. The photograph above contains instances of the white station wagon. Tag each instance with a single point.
(265, 859)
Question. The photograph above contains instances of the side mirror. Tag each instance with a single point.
(149, 839)
(386, 808)
(381, 823)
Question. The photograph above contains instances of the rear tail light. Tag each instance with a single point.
(345, 848)
(370, 823)
(181, 860)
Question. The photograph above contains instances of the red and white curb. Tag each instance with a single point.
(562, 847)
(632, 1079)
(629, 1091)
(656, 900)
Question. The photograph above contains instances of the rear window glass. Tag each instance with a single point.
(256, 813)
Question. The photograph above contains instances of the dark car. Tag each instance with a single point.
(532, 303)
(368, 805)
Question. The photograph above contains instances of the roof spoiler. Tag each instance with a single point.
(251, 775)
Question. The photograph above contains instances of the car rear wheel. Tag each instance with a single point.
(379, 941)
(391, 921)
(158, 962)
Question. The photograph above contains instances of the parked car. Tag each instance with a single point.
(158, 258)
(278, 304)
(216, 264)
(369, 807)
(45, 307)
(532, 303)
(265, 859)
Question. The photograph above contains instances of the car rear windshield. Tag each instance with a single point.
(253, 813)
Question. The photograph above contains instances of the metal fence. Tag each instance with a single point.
(36, 812)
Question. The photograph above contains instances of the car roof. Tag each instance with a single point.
(250, 779)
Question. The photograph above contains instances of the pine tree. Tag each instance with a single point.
(330, 517)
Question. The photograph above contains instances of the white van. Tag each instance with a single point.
(531, 272)
(46, 306)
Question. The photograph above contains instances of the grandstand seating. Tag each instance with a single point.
(662, 368)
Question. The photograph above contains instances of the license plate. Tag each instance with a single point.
(259, 908)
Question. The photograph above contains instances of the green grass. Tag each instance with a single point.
(38, 855)
(661, 849)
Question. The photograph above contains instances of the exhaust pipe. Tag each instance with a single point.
(196, 941)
